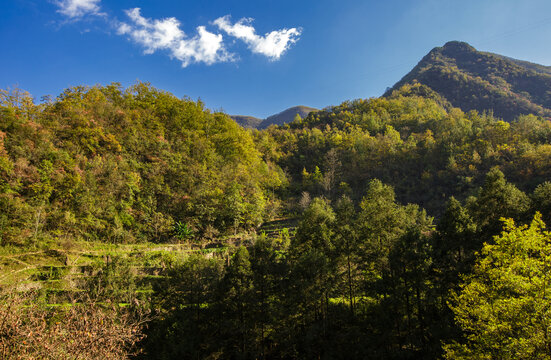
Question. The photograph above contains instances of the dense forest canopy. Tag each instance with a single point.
(426, 149)
(125, 166)
(399, 227)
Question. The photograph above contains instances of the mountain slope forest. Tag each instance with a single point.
(399, 227)
(475, 80)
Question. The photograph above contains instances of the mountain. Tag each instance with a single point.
(475, 80)
(284, 117)
(247, 121)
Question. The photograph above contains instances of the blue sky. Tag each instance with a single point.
(319, 52)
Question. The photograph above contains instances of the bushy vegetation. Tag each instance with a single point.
(390, 242)
(126, 166)
(81, 331)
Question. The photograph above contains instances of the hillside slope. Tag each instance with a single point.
(474, 80)
(124, 166)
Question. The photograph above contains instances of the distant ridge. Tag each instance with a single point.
(482, 81)
(247, 121)
(284, 117)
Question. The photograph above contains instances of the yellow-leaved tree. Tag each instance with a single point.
(504, 307)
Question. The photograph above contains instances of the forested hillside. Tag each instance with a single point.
(427, 150)
(369, 230)
(474, 80)
(118, 165)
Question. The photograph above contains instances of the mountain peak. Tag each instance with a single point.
(475, 80)
(458, 46)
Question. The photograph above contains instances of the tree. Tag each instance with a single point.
(233, 206)
(311, 282)
(504, 308)
(380, 222)
(269, 266)
(347, 245)
(187, 323)
(497, 199)
(316, 229)
(237, 303)
(115, 281)
(407, 285)
(542, 200)
(313, 274)
(454, 243)
(332, 168)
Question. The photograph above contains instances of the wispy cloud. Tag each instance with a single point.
(165, 34)
(272, 44)
(78, 8)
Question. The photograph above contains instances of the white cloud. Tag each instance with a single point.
(78, 8)
(272, 44)
(165, 34)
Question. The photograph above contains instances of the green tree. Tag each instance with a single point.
(542, 201)
(185, 302)
(316, 229)
(237, 301)
(380, 223)
(42, 191)
(114, 281)
(503, 307)
(347, 246)
(454, 243)
(270, 266)
(408, 289)
(498, 198)
(313, 276)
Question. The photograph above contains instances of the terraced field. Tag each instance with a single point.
(59, 273)
(274, 228)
